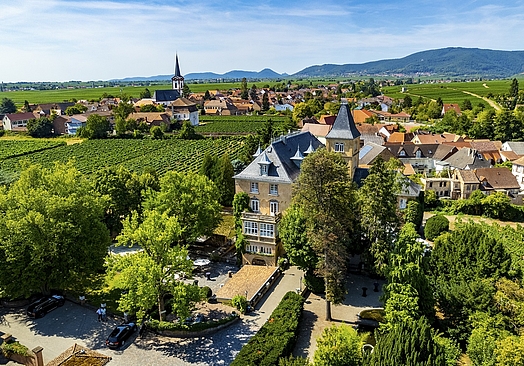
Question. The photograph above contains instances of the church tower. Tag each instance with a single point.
(344, 138)
(178, 79)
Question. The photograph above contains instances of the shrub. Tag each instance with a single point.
(347, 343)
(240, 303)
(156, 325)
(14, 348)
(435, 226)
(207, 291)
(276, 338)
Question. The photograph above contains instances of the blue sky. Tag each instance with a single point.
(60, 40)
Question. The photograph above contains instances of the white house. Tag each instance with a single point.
(518, 171)
(17, 121)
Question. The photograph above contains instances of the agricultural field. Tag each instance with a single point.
(454, 92)
(137, 155)
(210, 125)
(15, 148)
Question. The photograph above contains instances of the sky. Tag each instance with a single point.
(62, 40)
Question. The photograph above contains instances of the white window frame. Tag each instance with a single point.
(339, 147)
(250, 228)
(254, 204)
(253, 187)
(273, 208)
(267, 230)
(264, 170)
(273, 189)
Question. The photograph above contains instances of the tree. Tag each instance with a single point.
(414, 213)
(410, 343)
(52, 234)
(378, 210)
(148, 275)
(124, 109)
(152, 108)
(157, 133)
(507, 127)
(146, 94)
(186, 91)
(265, 102)
(339, 346)
(75, 109)
(124, 191)
(244, 90)
(514, 88)
(407, 102)
(466, 105)
(326, 196)
(487, 329)
(435, 226)
(187, 132)
(224, 180)
(40, 127)
(27, 107)
(253, 93)
(293, 232)
(190, 197)
(7, 106)
(96, 127)
(301, 111)
(209, 163)
(207, 96)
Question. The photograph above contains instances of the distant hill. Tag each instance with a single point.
(235, 74)
(452, 61)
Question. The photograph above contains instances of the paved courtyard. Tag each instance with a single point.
(72, 323)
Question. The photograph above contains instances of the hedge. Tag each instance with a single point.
(435, 226)
(156, 325)
(277, 336)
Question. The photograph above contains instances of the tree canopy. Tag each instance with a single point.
(52, 234)
(40, 127)
(96, 127)
(7, 106)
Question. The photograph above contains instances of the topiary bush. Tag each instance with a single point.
(435, 226)
(276, 339)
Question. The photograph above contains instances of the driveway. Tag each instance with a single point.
(72, 323)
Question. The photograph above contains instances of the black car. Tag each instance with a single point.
(44, 305)
(120, 334)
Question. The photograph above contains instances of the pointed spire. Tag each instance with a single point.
(258, 152)
(177, 66)
(297, 159)
(310, 149)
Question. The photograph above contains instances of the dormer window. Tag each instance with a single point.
(418, 154)
(264, 164)
(402, 153)
(339, 147)
(263, 170)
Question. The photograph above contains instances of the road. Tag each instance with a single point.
(72, 323)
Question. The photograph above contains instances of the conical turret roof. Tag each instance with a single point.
(344, 127)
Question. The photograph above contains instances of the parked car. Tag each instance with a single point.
(44, 305)
(120, 334)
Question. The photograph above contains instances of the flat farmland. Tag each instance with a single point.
(136, 155)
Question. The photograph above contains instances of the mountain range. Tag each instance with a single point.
(447, 62)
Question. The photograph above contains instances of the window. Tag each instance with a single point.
(263, 170)
(339, 147)
(273, 208)
(430, 184)
(273, 189)
(254, 187)
(403, 203)
(418, 154)
(267, 230)
(402, 153)
(250, 228)
(255, 205)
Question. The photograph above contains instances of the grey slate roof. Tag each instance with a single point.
(369, 152)
(177, 68)
(467, 159)
(516, 147)
(282, 168)
(168, 95)
(344, 126)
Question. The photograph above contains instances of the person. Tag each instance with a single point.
(104, 318)
(126, 318)
(99, 313)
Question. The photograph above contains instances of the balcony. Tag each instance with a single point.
(253, 216)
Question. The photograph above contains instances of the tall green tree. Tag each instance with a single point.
(96, 127)
(208, 166)
(145, 94)
(27, 107)
(265, 102)
(224, 180)
(40, 127)
(7, 106)
(379, 217)
(123, 109)
(148, 275)
(52, 234)
(339, 346)
(192, 198)
(326, 195)
(186, 91)
(244, 89)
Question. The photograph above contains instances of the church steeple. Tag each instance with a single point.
(177, 80)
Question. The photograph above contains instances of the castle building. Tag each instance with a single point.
(269, 178)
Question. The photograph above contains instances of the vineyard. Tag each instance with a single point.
(137, 155)
(14, 148)
(234, 124)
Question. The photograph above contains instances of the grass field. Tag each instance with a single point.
(451, 92)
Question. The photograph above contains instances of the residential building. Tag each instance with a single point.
(318, 130)
(221, 107)
(516, 147)
(76, 121)
(443, 187)
(467, 159)
(498, 180)
(185, 110)
(371, 151)
(423, 138)
(419, 156)
(451, 107)
(518, 171)
(17, 121)
(467, 182)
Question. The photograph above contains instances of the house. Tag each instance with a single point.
(269, 178)
(443, 187)
(370, 151)
(76, 121)
(183, 109)
(221, 107)
(410, 191)
(518, 171)
(436, 138)
(17, 121)
(467, 159)
(361, 115)
(400, 137)
(152, 118)
(370, 133)
(488, 150)
(387, 130)
(56, 108)
(317, 130)
(393, 117)
(467, 182)
(516, 147)
(59, 125)
(419, 156)
(498, 180)
(284, 107)
(327, 119)
(450, 107)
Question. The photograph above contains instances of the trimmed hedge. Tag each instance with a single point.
(435, 226)
(277, 336)
(156, 325)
